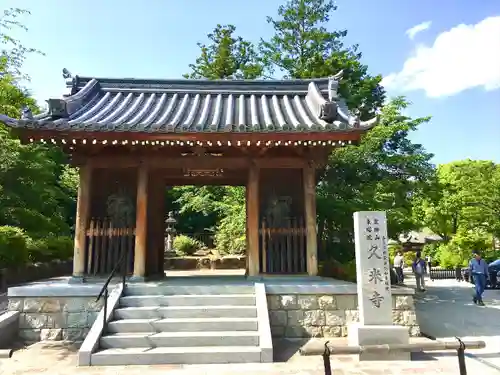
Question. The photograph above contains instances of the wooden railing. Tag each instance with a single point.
(283, 248)
(105, 243)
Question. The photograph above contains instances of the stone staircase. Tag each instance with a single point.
(184, 324)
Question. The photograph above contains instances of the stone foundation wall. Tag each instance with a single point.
(55, 318)
(34, 272)
(300, 315)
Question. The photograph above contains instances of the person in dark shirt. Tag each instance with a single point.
(478, 269)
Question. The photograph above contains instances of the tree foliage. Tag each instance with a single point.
(380, 174)
(463, 207)
(383, 173)
(225, 57)
(12, 51)
(466, 195)
(303, 47)
(387, 171)
(34, 204)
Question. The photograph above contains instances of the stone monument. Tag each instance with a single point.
(374, 289)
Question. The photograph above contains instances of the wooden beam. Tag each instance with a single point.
(253, 221)
(82, 219)
(349, 135)
(193, 162)
(309, 178)
(141, 222)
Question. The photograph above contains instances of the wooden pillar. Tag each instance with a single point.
(82, 220)
(141, 222)
(310, 212)
(253, 221)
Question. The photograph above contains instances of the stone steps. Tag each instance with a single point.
(184, 324)
(179, 339)
(187, 289)
(177, 355)
(188, 300)
(180, 312)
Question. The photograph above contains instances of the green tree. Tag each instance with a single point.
(466, 197)
(30, 194)
(225, 57)
(12, 50)
(382, 173)
(303, 47)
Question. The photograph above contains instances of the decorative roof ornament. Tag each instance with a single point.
(66, 74)
(57, 108)
(333, 86)
(329, 109)
(26, 114)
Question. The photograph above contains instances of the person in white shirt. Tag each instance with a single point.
(428, 260)
(399, 263)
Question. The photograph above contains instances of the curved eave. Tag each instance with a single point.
(44, 130)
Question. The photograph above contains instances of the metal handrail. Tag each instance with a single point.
(123, 263)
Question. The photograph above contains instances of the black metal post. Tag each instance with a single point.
(461, 358)
(105, 308)
(326, 360)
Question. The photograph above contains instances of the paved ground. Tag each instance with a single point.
(446, 310)
(60, 359)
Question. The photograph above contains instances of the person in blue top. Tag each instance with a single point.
(479, 271)
(419, 270)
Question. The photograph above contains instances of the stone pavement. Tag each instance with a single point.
(446, 310)
(59, 358)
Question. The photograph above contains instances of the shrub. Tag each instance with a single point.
(51, 248)
(186, 245)
(230, 235)
(336, 270)
(458, 251)
(13, 246)
(449, 259)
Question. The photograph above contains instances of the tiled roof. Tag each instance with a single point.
(181, 105)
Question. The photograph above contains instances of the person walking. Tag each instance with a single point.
(418, 267)
(478, 269)
(399, 262)
(428, 260)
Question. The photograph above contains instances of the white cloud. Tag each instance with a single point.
(412, 32)
(463, 57)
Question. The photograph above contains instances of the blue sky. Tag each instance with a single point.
(448, 71)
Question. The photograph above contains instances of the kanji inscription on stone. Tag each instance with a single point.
(372, 268)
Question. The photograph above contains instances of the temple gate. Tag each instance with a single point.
(131, 138)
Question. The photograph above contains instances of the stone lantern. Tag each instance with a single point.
(170, 231)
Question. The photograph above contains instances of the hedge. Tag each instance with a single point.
(17, 248)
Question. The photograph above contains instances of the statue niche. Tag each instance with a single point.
(278, 211)
(121, 209)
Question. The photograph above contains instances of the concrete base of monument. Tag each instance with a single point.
(359, 334)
